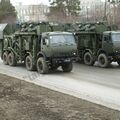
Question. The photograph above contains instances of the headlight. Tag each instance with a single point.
(74, 53)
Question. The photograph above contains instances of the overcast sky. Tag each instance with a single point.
(28, 2)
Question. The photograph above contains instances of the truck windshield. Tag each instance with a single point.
(62, 39)
(116, 37)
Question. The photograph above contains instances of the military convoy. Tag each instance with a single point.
(39, 47)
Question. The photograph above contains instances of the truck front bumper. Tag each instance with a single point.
(63, 60)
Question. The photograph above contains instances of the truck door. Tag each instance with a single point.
(107, 43)
(45, 46)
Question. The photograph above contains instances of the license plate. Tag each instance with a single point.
(67, 60)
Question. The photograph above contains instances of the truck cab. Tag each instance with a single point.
(57, 49)
(58, 44)
(110, 51)
(111, 42)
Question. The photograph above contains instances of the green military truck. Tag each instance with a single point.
(39, 48)
(98, 42)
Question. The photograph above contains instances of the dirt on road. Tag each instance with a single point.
(20, 100)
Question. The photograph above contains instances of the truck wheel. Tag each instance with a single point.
(11, 59)
(29, 64)
(103, 60)
(42, 67)
(67, 67)
(88, 59)
(5, 58)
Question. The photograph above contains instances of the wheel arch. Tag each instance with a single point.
(100, 52)
(41, 54)
(28, 54)
(87, 50)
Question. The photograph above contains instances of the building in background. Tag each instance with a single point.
(32, 12)
(92, 10)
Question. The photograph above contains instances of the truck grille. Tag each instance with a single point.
(62, 54)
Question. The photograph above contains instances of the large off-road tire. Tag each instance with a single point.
(5, 58)
(103, 60)
(88, 59)
(42, 66)
(67, 67)
(29, 64)
(11, 59)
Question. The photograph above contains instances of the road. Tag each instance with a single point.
(97, 85)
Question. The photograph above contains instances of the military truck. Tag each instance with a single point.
(39, 48)
(98, 42)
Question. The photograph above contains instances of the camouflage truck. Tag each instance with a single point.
(98, 42)
(39, 47)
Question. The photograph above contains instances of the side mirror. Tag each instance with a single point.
(45, 41)
(107, 39)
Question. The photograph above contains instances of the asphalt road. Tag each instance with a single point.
(103, 76)
(98, 85)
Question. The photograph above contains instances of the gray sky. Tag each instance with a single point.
(28, 2)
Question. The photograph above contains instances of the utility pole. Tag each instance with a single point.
(105, 11)
(87, 10)
(114, 4)
(114, 11)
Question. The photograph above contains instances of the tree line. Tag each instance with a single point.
(64, 10)
(68, 11)
(7, 12)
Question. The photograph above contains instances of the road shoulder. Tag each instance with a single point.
(20, 100)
